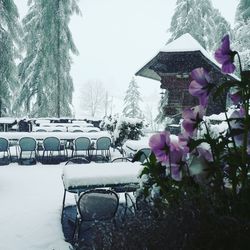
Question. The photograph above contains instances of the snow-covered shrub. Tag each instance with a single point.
(128, 128)
(109, 123)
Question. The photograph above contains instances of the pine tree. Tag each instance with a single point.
(200, 19)
(131, 101)
(160, 118)
(10, 31)
(47, 86)
(242, 33)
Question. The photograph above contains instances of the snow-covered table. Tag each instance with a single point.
(59, 135)
(100, 174)
(121, 176)
(66, 129)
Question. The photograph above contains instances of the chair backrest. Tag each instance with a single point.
(76, 126)
(93, 130)
(98, 204)
(77, 130)
(103, 143)
(77, 160)
(4, 144)
(82, 143)
(27, 144)
(122, 159)
(60, 125)
(41, 130)
(57, 130)
(51, 144)
(145, 154)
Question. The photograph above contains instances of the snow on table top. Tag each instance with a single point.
(66, 125)
(7, 120)
(101, 174)
(65, 129)
(59, 135)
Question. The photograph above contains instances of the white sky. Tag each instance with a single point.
(116, 38)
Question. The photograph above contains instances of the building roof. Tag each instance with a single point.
(180, 56)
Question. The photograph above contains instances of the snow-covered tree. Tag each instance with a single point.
(242, 32)
(201, 20)
(47, 86)
(131, 101)
(9, 40)
(161, 118)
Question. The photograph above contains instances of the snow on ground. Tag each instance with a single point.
(31, 202)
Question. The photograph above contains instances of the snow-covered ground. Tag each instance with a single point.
(31, 202)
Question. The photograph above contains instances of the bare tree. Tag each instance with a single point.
(93, 98)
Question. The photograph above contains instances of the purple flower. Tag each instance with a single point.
(204, 151)
(225, 56)
(176, 172)
(235, 97)
(159, 143)
(200, 85)
(192, 117)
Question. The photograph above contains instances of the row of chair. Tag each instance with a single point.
(81, 146)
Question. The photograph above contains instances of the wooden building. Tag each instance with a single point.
(172, 67)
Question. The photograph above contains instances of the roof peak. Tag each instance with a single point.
(185, 42)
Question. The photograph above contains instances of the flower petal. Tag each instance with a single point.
(200, 75)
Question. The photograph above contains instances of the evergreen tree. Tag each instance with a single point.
(201, 20)
(131, 101)
(243, 11)
(160, 118)
(242, 32)
(47, 86)
(9, 40)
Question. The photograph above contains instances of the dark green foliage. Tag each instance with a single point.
(126, 130)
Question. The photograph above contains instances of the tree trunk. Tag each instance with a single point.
(0, 107)
(58, 62)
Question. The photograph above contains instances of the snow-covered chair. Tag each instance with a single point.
(81, 144)
(27, 144)
(122, 159)
(50, 146)
(94, 206)
(141, 155)
(103, 144)
(4, 148)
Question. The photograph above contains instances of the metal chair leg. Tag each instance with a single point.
(63, 204)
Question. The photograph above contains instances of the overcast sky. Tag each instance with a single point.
(115, 38)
